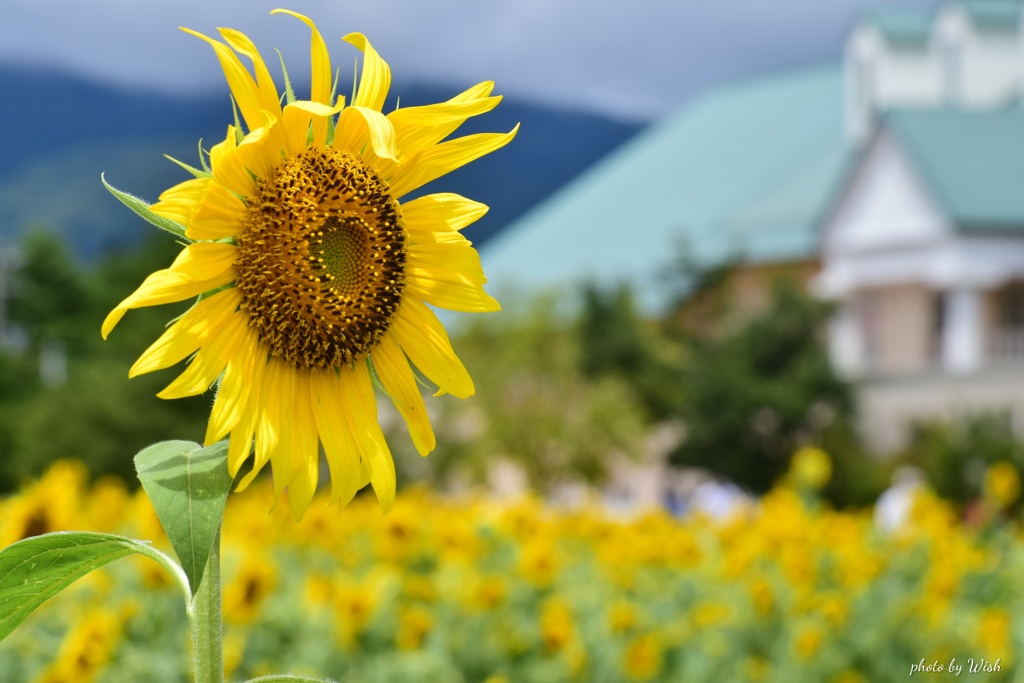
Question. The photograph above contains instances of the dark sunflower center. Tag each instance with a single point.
(321, 259)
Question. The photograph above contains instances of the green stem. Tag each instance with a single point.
(205, 619)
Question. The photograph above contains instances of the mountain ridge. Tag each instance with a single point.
(68, 130)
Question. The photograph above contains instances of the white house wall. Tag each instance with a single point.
(885, 207)
(960, 63)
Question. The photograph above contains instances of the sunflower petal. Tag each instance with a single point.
(425, 342)
(435, 161)
(420, 127)
(179, 203)
(240, 444)
(375, 80)
(269, 100)
(336, 434)
(187, 334)
(305, 452)
(210, 361)
(220, 215)
(320, 61)
(438, 217)
(395, 374)
(361, 411)
(447, 290)
(243, 87)
(199, 268)
(358, 126)
(233, 389)
(458, 258)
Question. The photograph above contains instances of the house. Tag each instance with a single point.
(892, 183)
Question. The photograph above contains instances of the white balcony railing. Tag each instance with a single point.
(1006, 344)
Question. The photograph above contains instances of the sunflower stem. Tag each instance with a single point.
(206, 623)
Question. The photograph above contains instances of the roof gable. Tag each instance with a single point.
(973, 162)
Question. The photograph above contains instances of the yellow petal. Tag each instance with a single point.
(305, 455)
(210, 361)
(435, 161)
(336, 433)
(234, 165)
(199, 268)
(298, 116)
(240, 81)
(426, 343)
(458, 258)
(179, 203)
(268, 416)
(448, 290)
(400, 383)
(361, 411)
(375, 79)
(188, 333)
(220, 215)
(234, 388)
(417, 128)
(269, 100)
(438, 217)
(240, 444)
(287, 447)
(358, 126)
(320, 60)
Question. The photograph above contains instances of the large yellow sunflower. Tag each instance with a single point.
(313, 279)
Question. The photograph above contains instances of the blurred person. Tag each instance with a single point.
(896, 503)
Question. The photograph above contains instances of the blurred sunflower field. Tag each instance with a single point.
(476, 590)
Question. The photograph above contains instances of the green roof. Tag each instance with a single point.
(743, 171)
(901, 25)
(972, 161)
(992, 13)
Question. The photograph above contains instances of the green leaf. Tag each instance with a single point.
(142, 209)
(35, 569)
(188, 486)
(285, 678)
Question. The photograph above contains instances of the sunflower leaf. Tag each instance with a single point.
(191, 169)
(35, 569)
(188, 486)
(289, 93)
(141, 208)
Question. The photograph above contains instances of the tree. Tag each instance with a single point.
(758, 392)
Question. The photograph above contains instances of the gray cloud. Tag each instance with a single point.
(637, 59)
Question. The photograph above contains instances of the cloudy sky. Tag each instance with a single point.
(631, 59)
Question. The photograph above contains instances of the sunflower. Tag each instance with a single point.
(313, 280)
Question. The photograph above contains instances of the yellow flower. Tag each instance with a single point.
(808, 641)
(414, 624)
(51, 504)
(86, 649)
(556, 625)
(810, 468)
(642, 659)
(313, 279)
(1002, 484)
(248, 588)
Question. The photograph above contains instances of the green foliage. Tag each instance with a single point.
(95, 414)
(615, 341)
(955, 455)
(755, 394)
(35, 569)
(188, 486)
(533, 406)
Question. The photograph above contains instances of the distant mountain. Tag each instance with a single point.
(60, 132)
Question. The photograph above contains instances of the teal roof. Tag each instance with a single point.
(743, 171)
(901, 25)
(972, 161)
(993, 13)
